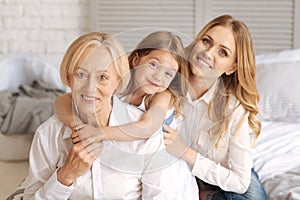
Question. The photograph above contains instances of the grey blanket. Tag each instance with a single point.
(285, 186)
(23, 111)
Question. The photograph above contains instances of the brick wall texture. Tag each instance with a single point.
(41, 27)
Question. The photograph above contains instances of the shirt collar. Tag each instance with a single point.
(67, 132)
(207, 96)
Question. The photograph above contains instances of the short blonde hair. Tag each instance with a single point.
(74, 52)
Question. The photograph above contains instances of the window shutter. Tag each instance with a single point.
(274, 24)
(271, 22)
(131, 19)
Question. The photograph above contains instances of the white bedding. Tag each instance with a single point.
(277, 149)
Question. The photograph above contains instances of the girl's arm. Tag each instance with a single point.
(149, 123)
(64, 110)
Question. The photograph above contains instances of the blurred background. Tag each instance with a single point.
(46, 27)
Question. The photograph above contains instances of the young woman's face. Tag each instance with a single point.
(155, 71)
(95, 79)
(214, 54)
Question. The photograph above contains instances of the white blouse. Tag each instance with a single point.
(229, 165)
(125, 170)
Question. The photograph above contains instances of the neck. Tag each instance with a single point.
(89, 119)
(197, 87)
(101, 115)
(136, 97)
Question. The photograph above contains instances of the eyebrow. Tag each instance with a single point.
(220, 45)
(155, 58)
(86, 70)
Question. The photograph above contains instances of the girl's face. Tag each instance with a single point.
(95, 80)
(214, 54)
(155, 71)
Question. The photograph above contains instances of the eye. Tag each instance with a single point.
(169, 74)
(223, 53)
(102, 77)
(153, 65)
(81, 75)
(206, 41)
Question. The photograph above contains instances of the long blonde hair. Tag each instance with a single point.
(241, 83)
(165, 40)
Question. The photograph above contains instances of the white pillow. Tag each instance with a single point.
(25, 68)
(279, 89)
(290, 55)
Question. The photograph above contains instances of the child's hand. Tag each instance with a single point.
(91, 138)
(174, 142)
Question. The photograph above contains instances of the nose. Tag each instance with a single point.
(158, 75)
(209, 53)
(91, 84)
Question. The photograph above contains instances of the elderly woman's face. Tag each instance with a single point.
(94, 80)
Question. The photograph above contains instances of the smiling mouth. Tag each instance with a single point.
(89, 98)
(152, 84)
(205, 64)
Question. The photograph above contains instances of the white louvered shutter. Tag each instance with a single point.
(271, 22)
(131, 19)
(274, 24)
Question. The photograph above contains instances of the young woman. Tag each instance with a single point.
(224, 96)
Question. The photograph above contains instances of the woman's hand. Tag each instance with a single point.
(78, 161)
(176, 146)
(174, 142)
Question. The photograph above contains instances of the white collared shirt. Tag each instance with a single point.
(125, 170)
(229, 165)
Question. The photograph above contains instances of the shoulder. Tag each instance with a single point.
(124, 110)
(52, 122)
(235, 105)
(49, 128)
(161, 98)
(165, 95)
(237, 110)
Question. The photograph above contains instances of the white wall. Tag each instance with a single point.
(41, 27)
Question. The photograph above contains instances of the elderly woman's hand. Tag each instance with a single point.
(78, 161)
(173, 141)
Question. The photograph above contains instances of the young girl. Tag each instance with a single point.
(220, 154)
(157, 86)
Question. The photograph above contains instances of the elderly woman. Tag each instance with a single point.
(95, 67)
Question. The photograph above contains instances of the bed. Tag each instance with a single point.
(23, 70)
(277, 153)
(17, 70)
